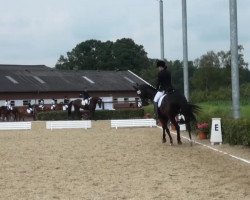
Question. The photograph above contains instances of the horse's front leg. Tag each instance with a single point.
(178, 134)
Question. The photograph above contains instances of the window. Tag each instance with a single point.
(39, 79)
(12, 103)
(87, 79)
(128, 79)
(26, 102)
(115, 100)
(12, 79)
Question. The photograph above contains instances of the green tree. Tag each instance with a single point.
(213, 75)
(124, 54)
(207, 75)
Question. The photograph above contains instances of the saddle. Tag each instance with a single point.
(85, 102)
(167, 92)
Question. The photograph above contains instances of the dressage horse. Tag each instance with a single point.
(89, 109)
(21, 112)
(172, 104)
(5, 113)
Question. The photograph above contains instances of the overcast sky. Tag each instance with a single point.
(39, 31)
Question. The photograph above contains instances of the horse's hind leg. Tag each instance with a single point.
(177, 128)
(169, 135)
(163, 135)
(189, 132)
(165, 129)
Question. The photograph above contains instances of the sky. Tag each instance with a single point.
(34, 32)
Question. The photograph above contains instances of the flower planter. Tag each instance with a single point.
(202, 135)
(172, 127)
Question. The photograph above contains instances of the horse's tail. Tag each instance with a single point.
(190, 111)
(69, 108)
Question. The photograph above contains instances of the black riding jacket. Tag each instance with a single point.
(164, 82)
(85, 95)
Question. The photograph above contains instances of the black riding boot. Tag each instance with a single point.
(156, 111)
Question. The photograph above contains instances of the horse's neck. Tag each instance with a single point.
(152, 94)
(92, 104)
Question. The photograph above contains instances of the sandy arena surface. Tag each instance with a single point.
(108, 164)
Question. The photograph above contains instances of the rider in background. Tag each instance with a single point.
(53, 102)
(41, 103)
(65, 102)
(85, 98)
(8, 104)
(163, 84)
(29, 109)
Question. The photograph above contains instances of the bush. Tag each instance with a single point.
(236, 132)
(98, 115)
(52, 115)
(118, 114)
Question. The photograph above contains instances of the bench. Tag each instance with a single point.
(15, 125)
(133, 123)
(68, 124)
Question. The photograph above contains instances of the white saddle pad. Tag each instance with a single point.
(160, 100)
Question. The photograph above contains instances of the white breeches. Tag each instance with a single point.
(85, 102)
(158, 96)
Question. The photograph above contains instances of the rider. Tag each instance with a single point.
(53, 102)
(41, 103)
(8, 105)
(65, 102)
(85, 98)
(29, 109)
(163, 84)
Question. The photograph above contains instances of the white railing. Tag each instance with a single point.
(133, 123)
(15, 125)
(68, 124)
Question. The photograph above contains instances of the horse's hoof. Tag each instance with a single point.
(179, 142)
(164, 140)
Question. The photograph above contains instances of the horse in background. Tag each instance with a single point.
(24, 112)
(5, 113)
(88, 109)
(173, 104)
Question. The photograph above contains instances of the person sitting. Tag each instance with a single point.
(163, 84)
(85, 98)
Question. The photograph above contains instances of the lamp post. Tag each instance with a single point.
(234, 59)
(161, 29)
(185, 49)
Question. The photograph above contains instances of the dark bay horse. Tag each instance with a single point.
(173, 103)
(5, 113)
(88, 110)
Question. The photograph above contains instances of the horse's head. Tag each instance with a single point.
(96, 101)
(145, 92)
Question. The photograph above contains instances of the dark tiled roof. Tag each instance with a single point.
(33, 78)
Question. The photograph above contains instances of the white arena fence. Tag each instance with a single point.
(133, 123)
(15, 125)
(68, 124)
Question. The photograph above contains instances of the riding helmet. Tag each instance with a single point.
(161, 63)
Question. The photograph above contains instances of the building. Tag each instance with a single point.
(22, 84)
